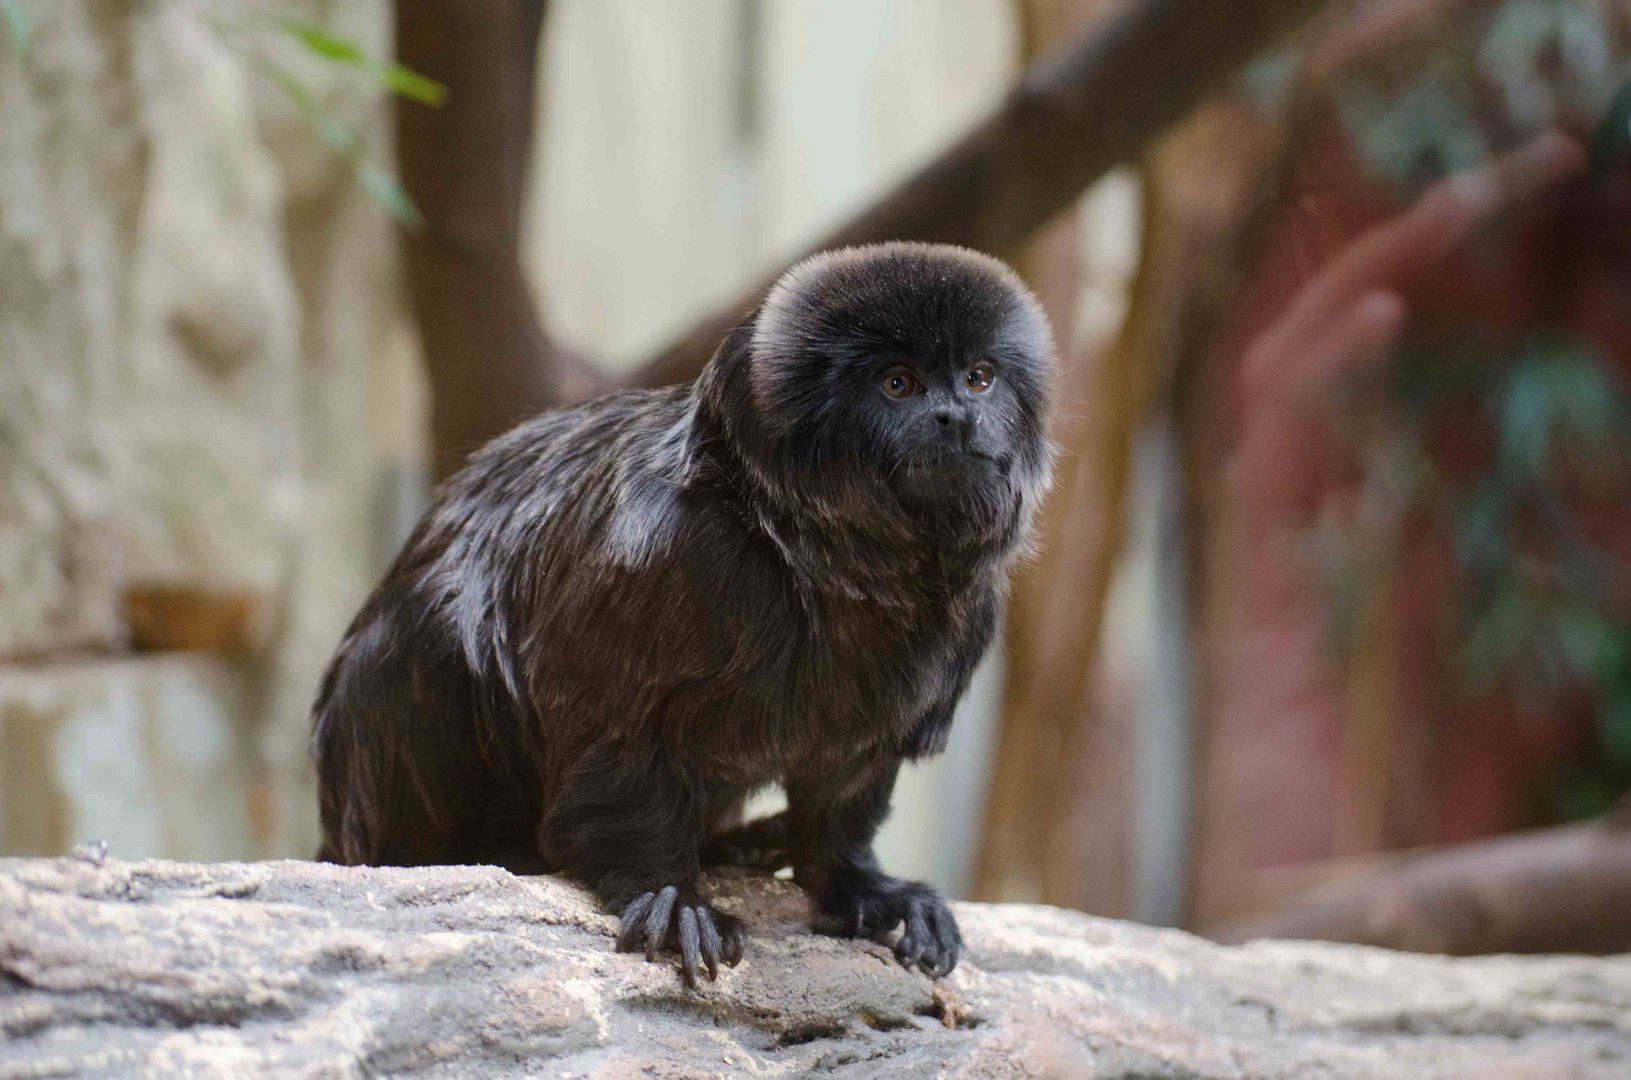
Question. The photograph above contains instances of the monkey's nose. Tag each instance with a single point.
(955, 425)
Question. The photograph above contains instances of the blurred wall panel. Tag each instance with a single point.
(641, 213)
(857, 94)
(150, 756)
(61, 336)
(684, 147)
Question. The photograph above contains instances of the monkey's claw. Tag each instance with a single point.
(683, 922)
(877, 904)
(931, 939)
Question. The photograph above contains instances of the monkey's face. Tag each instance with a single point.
(925, 367)
(946, 427)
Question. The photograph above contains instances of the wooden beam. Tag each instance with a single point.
(1563, 889)
(464, 164)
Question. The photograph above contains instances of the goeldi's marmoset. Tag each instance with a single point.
(621, 619)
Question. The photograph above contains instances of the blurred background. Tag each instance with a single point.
(1328, 630)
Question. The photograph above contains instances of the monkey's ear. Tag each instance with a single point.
(736, 348)
(725, 386)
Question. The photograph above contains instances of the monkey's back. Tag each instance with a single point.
(568, 586)
(593, 583)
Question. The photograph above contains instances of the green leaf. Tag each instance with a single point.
(1480, 531)
(1556, 390)
(381, 186)
(1611, 143)
(1268, 78)
(320, 41)
(1615, 728)
(392, 76)
(1586, 403)
(1589, 642)
(1498, 636)
(18, 25)
(330, 128)
(284, 80)
(1422, 134)
(1526, 419)
(405, 82)
(386, 190)
(1522, 32)
(1583, 794)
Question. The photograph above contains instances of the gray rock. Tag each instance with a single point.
(119, 968)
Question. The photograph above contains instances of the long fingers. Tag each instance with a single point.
(662, 919)
(690, 944)
(662, 909)
(711, 945)
(632, 927)
(733, 941)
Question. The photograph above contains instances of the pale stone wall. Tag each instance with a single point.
(204, 386)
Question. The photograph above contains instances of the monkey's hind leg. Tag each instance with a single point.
(760, 844)
(632, 835)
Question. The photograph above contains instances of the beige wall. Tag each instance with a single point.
(690, 145)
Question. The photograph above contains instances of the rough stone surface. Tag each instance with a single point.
(110, 968)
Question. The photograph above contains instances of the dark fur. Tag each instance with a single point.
(621, 619)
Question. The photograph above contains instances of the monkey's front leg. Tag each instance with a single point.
(833, 819)
(631, 834)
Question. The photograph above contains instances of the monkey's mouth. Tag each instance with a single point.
(944, 475)
(965, 484)
(948, 459)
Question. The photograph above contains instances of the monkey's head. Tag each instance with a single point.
(917, 370)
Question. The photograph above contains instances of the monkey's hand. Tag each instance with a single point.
(670, 918)
(760, 844)
(862, 902)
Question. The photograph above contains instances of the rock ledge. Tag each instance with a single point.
(112, 968)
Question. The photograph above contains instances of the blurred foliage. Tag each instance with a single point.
(1503, 445)
(1540, 603)
(1612, 145)
(245, 35)
(249, 37)
(389, 75)
(15, 16)
(1439, 103)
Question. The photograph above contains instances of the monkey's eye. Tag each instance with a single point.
(901, 383)
(980, 377)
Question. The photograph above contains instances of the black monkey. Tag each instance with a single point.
(621, 619)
